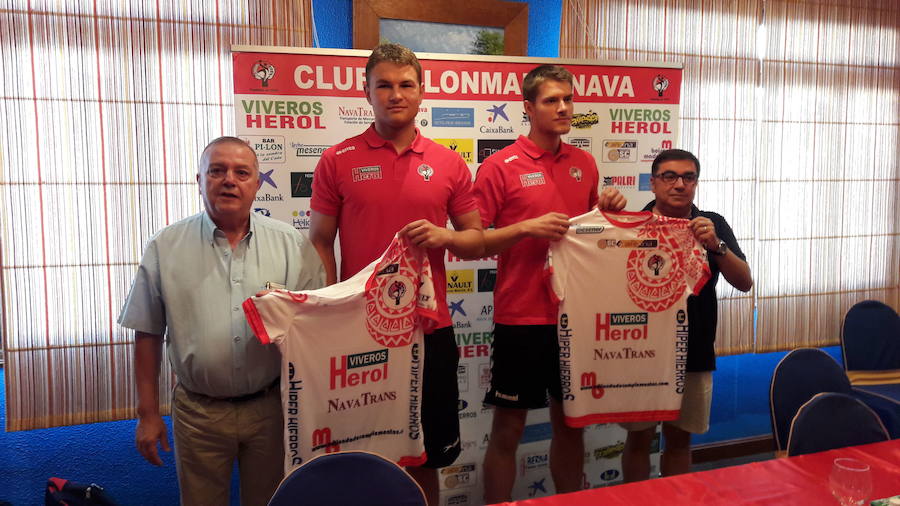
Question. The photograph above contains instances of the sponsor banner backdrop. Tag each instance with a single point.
(292, 104)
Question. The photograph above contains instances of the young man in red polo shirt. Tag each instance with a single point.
(528, 190)
(391, 179)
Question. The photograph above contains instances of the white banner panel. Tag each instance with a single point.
(292, 104)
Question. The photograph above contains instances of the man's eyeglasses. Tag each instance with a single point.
(670, 177)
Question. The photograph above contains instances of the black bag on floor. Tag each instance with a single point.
(62, 492)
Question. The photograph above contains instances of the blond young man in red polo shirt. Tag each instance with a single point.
(391, 179)
(528, 191)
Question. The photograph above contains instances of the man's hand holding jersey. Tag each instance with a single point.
(611, 199)
(705, 232)
(466, 240)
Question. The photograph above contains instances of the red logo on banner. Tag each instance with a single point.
(660, 84)
(264, 71)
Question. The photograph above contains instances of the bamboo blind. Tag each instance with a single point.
(105, 107)
(792, 108)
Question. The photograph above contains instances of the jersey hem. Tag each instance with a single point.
(325, 209)
(460, 213)
(413, 461)
(431, 319)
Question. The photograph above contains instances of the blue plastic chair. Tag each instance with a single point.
(832, 420)
(799, 376)
(870, 343)
(870, 340)
(351, 478)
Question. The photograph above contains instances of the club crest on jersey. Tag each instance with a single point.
(532, 179)
(575, 172)
(391, 299)
(425, 171)
(365, 173)
(655, 282)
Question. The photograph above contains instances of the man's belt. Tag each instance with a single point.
(251, 396)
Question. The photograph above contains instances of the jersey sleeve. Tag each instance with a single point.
(555, 269)
(325, 196)
(696, 265)
(489, 191)
(426, 301)
(270, 316)
(462, 200)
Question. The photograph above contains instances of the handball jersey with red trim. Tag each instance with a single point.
(352, 368)
(623, 280)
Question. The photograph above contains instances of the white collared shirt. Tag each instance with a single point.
(190, 287)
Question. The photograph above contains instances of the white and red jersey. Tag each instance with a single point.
(623, 280)
(352, 358)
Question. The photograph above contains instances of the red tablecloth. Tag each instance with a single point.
(796, 480)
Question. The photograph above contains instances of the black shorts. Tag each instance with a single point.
(524, 366)
(440, 399)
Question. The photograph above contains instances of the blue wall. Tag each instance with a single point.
(334, 29)
(741, 395)
(101, 453)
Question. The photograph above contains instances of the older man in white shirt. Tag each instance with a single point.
(193, 278)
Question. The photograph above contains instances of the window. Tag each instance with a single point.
(791, 107)
(105, 109)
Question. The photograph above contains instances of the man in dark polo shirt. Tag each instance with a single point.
(674, 179)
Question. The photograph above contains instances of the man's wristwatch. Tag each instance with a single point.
(721, 249)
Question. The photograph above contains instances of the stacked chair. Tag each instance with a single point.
(833, 420)
(813, 406)
(799, 376)
(816, 405)
(870, 343)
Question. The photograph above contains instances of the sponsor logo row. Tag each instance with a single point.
(492, 120)
(273, 149)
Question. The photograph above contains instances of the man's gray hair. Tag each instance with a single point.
(226, 139)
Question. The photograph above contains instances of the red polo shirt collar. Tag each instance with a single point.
(376, 141)
(531, 149)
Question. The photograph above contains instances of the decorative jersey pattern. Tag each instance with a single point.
(352, 358)
(623, 280)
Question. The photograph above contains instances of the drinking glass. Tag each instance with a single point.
(850, 481)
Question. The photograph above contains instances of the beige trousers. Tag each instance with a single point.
(211, 433)
(695, 406)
